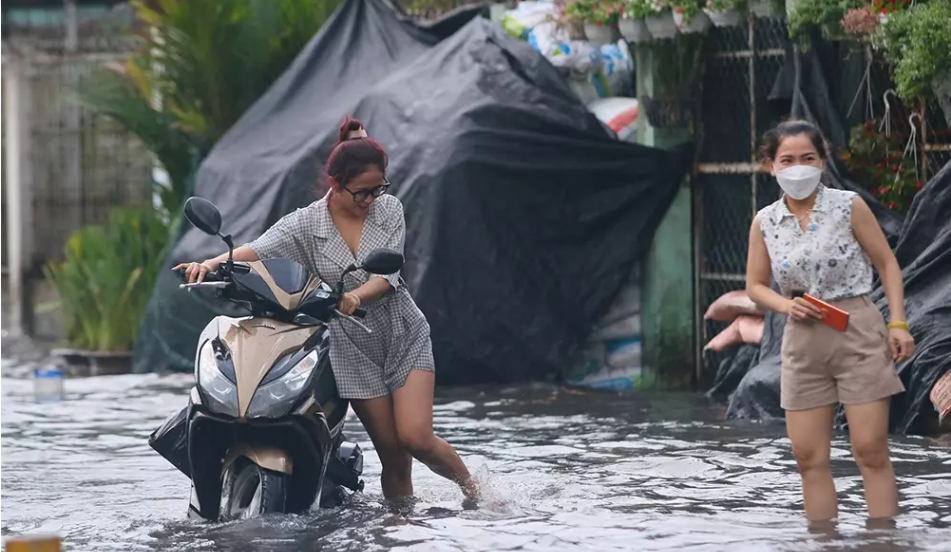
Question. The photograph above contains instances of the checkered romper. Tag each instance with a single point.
(365, 365)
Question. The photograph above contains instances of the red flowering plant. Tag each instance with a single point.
(885, 7)
(875, 160)
(599, 12)
(860, 22)
(606, 13)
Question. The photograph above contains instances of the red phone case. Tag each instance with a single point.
(831, 316)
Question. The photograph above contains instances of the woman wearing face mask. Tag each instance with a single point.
(824, 242)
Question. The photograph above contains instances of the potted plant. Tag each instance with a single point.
(726, 13)
(104, 283)
(825, 15)
(689, 16)
(917, 41)
(632, 24)
(661, 22)
(878, 162)
(600, 19)
(673, 99)
(860, 23)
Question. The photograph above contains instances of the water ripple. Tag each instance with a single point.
(562, 471)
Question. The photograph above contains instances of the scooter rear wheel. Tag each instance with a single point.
(253, 491)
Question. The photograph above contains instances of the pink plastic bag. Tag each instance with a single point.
(730, 305)
(744, 329)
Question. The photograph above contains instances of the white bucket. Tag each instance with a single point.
(49, 384)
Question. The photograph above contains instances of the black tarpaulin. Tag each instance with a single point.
(523, 215)
(923, 248)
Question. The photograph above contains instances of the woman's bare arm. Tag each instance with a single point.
(870, 236)
(243, 254)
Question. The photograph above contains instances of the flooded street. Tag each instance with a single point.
(563, 471)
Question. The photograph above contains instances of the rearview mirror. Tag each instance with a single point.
(383, 262)
(203, 215)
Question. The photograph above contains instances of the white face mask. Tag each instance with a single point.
(799, 181)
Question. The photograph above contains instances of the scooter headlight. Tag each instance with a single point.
(221, 394)
(276, 398)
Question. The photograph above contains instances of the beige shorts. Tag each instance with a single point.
(823, 366)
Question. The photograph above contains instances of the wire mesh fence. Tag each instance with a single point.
(81, 163)
(742, 67)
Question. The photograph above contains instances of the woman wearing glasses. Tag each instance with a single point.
(388, 375)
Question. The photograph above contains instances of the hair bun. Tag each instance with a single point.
(349, 125)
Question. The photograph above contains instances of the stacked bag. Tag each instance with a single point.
(594, 72)
(612, 359)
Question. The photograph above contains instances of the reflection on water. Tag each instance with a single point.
(563, 471)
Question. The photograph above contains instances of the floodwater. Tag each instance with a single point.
(563, 471)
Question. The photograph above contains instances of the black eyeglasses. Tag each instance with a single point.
(363, 195)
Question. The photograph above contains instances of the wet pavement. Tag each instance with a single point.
(563, 470)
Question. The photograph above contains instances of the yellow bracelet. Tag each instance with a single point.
(898, 325)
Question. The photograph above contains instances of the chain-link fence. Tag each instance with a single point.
(743, 63)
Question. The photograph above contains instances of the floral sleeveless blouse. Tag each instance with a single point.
(824, 260)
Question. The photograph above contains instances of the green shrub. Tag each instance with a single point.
(106, 277)
(918, 42)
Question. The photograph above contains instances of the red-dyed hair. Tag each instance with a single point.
(351, 157)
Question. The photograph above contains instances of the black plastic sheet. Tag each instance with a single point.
(922, 243)
(524, 216)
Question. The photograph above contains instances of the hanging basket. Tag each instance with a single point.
(634, 30)
(724, 18)
(699, 23)
(662, 26)
(941, 85)
(669, 111)
(599, 35)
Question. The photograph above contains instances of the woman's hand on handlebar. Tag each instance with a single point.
(195, 272)
(349, 303)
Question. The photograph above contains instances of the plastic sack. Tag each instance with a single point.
(171, 441)
(624, 328)
(526, 16)
(616, 75)
(743, 329)
(620, 115)
(623, 353)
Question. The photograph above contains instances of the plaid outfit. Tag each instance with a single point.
(365, 365)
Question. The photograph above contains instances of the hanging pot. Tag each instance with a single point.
(724, 18)
(669, 111)
(699, 23)
(941, 85)
(634, 30)
(662, 25)
(599, 35)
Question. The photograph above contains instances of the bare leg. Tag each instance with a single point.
(811, 434)
(413, 407)
(377, 417)
(868, 431)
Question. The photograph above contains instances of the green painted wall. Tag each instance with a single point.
(668, 307)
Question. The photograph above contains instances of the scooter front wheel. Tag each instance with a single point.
(251, 490)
